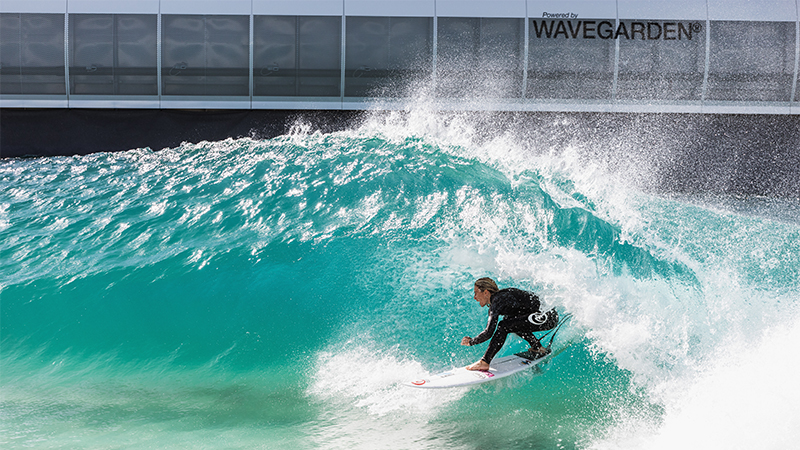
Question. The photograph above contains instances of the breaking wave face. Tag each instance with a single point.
(263, 293)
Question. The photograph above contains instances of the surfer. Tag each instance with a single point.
(521, 315)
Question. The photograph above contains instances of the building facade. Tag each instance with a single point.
(681, 56)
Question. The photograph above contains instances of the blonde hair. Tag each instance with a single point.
(486, 284)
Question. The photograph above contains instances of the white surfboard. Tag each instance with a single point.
(500, 368)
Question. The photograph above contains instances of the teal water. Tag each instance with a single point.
(274, 294)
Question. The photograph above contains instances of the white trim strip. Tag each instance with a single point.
(794, 98)
(66, 51)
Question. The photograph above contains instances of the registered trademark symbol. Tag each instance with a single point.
(696, 27)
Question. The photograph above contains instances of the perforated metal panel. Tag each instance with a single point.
(384, 54)
(113, 54)
(32, 54)
(715, 56)
(480, 55)
(563, 64)
(205, 55)
(751, 61)
(297, 56)
(666, 62)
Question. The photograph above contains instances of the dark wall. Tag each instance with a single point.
(59, 132)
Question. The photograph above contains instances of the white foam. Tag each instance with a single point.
(747, 398)
(371, 380)
(364, 405)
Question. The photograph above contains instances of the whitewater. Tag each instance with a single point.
(274, 293)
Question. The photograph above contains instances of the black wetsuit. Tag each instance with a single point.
(520, 311)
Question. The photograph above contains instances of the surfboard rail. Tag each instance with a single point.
(459, 377)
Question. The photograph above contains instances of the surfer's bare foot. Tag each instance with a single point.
(480, 365)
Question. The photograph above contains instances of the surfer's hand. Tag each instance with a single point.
(466, 340)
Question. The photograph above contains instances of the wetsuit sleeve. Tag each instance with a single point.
(488, 332)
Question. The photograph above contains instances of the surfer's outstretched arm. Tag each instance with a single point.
(481, 364)
(488, 331)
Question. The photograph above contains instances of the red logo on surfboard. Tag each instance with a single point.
(419, 382)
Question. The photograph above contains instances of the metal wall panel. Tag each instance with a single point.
(32, 7)
(385, 55)
(91, 56)
(563, 64)
(112, 7)
(480, 8)
(205, 55)
(32, 54)
(480, 56)
(582, 9)
(113, 54)
(751, 61)
(206, 7)
(136, 65)
(390, 8)
(762, 11)
(665, 62)
(691, 10)
(298, 7)
(711, 55)
(297, 56)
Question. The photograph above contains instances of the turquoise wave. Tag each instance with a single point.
(256, 293)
